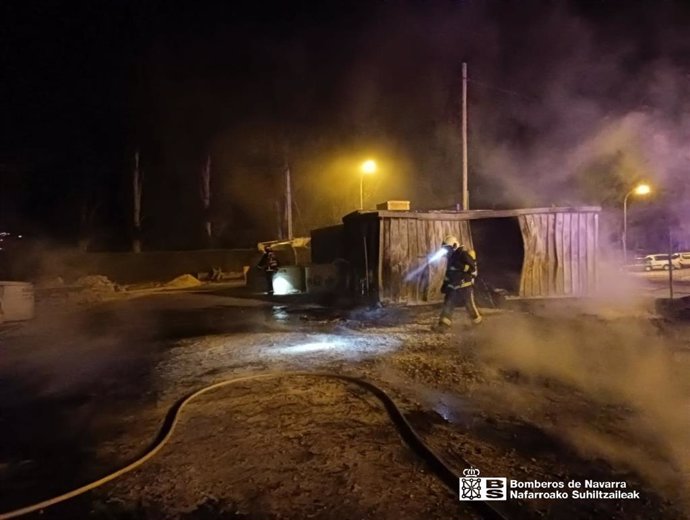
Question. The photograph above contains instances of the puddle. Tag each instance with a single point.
(280, 313)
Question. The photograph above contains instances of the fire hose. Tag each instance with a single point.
(407, 432)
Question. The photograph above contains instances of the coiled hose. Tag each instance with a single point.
(409, 435)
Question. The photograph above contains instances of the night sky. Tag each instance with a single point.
(570, 103)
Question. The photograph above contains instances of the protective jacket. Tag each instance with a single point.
(460, 270)
(269, 262)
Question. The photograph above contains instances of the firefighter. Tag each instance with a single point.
(269, 263)
(458, 284)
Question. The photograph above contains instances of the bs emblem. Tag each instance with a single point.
(474, 487)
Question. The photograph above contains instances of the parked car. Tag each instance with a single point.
(684, 259)
(652, 262)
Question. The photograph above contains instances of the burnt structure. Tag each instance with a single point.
(530, 253)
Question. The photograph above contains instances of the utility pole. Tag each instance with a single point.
(465, 192)
(625, 228)
(670, 264)
(288, 200)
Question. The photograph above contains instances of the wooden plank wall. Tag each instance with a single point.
(560, 254)
(405, 274)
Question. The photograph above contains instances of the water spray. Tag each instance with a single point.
(433, 258)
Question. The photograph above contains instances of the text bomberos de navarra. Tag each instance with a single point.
(589, 489)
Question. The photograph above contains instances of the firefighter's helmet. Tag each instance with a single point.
(451, 241)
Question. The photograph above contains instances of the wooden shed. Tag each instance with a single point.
(531, 253)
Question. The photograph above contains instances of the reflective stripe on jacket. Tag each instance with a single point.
(461, 270)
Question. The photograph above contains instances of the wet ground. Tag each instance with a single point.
(549, 395)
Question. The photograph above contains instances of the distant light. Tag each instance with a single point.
(642, 189)
(369, 166)
(19, 236)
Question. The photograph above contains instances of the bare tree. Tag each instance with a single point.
(205, 192)
(137, 188)
(89, 205)
(87, 217)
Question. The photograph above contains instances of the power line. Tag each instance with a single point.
(503, 90)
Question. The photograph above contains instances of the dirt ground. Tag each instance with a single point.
(554, 394)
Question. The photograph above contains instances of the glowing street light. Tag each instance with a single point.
(368, 167)
(640, 189)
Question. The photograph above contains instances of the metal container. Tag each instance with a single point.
(321, 278)
(288, 280)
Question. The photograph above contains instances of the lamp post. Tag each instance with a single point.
(368, 167)
(640, 189)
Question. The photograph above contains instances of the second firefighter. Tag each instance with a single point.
(269, 264)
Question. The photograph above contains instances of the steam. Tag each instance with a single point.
(625, 366)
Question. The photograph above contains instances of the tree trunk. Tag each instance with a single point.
(205, 192)
(137, 188)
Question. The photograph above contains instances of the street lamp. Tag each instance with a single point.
(640, 189)
(368, 167)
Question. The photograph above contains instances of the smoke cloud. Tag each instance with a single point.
(626, 373)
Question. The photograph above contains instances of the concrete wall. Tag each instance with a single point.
(35, 264)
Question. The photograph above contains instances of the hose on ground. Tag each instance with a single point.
(407, 432)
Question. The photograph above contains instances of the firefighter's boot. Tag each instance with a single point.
(443, 325)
